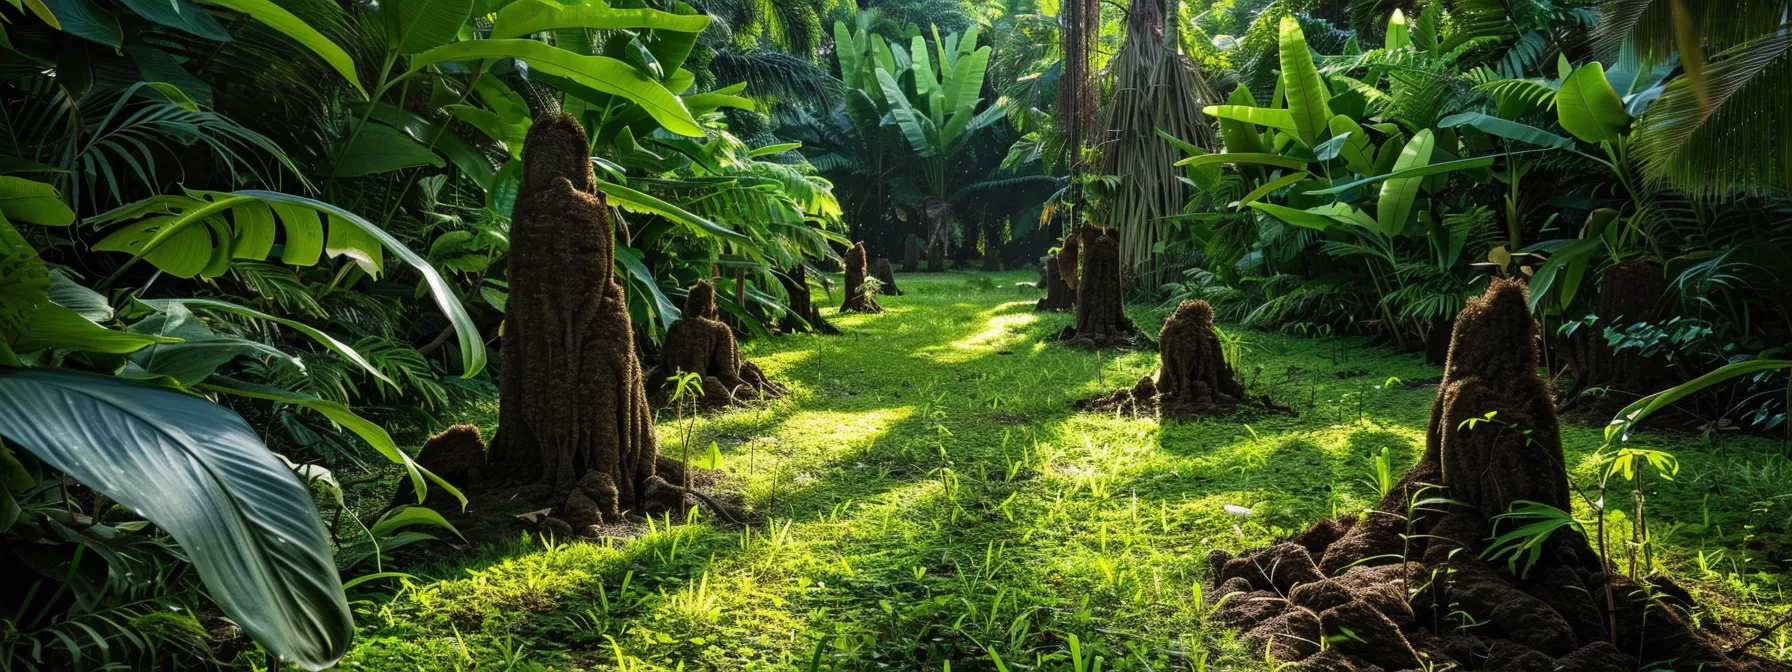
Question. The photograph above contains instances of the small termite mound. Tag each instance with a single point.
(1059, 297)
(1412, 584)
(1192, 379)
(1100, 320)
(886, 277)
(860, 296)
(700, 343)
(804, 315)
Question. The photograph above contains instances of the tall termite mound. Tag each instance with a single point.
(700, 343)
(573, 416)
(886, 277)
(1628, 294)
(911, 254)
(1059, 296)
(860, 297)
(1192, 378)
(1100, 321)
(803, 315)
(1405, 585)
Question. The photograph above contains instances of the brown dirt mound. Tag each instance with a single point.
(860, 298)
(1192, 379)
(1059, 296)
(1404, 586)
(803, 315)
(1100, 320)
(700, 343)
(574, 424)
(886, 277)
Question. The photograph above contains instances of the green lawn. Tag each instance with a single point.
(927, 496)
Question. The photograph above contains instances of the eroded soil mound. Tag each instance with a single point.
(1192, 379)
(1405, 586)
(886, 277)
(700, 343)
(1100, 320)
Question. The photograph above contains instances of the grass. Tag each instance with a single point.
(926, 499)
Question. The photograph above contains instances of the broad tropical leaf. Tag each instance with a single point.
(1307, 94)
(199, 472)
(1589, 109)
(1399, 194)
(527, 17)
(602, 73)
(273, 16)
(1510, 130)
(415, 26)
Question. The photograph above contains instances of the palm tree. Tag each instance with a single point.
(1727, 125)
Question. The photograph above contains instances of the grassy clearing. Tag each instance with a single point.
(926, 496)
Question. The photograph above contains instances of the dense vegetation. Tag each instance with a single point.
(254, 253)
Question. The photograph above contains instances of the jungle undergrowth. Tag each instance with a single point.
(926, 495)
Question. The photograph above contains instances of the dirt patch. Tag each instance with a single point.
(1405, 586)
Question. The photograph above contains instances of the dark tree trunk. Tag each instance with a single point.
(992, 247)
(1192, 378)
(804, 315)
(1100, 320)
(573, 411)
(700, 343)
(1406, 586)
(911, 254)
(1059, 297)
(1628, 293)
(860, 298)
(886, 277)
(936, 257)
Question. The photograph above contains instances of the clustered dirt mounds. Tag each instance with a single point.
(803, 315)
(1628, 293)
(576, 435)
(860, 297)
(700, 343)
(1393, 591)
(1192, 379)
(1059, 295)
(886, 277)
(1100, 320)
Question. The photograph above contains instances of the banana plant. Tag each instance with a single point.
(934, 103)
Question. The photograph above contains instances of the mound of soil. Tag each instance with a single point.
(575, 432)
(1405, 585)
(1192, 379)
(886, 277)
(1100, 321)
(700, 343)
(860, 297)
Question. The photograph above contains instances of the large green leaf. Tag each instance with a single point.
(1261, 116)
(24, 283)
(199, 353)
(601, 73)
(1417, 171)
(33, 202)
(1306, 91)
(527, 17)
(1240, 136)
(375, 435)
(1619, 429)
(1589, 109)
(1357, 149)
(86, 20)
(415, 26)
(966, 81)
(472, 347)
(1299, 218)
(56, 327)
(638, 201)
(273, 16)
(907, 119)
(180, 15)
(1244, 159)
(1510, 130)
(378, 148)
(174, 307)
(199, 472)
(1399, 194)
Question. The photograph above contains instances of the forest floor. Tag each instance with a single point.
(926, 499)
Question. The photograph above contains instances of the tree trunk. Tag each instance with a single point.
(911, 254)
(860, 298)
(1628, 293)
(803, 316)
